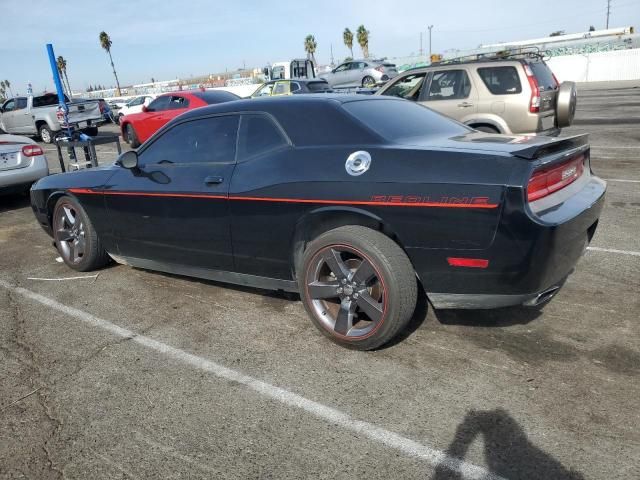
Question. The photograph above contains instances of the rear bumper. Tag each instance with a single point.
(26, 175)
(529, 260)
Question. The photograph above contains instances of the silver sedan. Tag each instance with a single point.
(22, 162)
(360, 73)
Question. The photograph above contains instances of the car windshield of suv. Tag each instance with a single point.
(400, 121)
(543, 75)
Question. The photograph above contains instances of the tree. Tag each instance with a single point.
(592, 28)
(62, 70)
(310, 46)
(105, 42)
(7, 84)
(363, 40)
(557, 33)
(347, 38)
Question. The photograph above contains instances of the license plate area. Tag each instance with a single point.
(8, 160)
(548, 122)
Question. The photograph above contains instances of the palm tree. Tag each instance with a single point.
(7, 84)
(363, 40)
(347, 37)
(62, 70)
(310, 46)
(3, 88)
(105, 42)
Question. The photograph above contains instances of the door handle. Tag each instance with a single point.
(213, 180)
(465, 104)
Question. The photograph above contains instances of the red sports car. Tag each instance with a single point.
(138, 127)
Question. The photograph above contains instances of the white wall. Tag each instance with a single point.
(597, 67)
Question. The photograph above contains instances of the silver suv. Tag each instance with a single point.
(512, 94)
(360, 73)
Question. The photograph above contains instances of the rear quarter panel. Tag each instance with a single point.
(423, 198)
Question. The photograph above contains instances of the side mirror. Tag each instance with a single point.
(145, 109)
(128, 160)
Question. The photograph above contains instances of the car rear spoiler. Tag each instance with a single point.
(549, 148)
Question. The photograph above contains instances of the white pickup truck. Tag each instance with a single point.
(38, 115)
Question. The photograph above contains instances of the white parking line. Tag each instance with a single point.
(621, 180)
(409, 447)
(613, 250)
(610, 146)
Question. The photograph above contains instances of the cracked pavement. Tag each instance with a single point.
(525, 394)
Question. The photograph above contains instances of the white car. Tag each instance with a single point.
(135, 105)
(22, 162)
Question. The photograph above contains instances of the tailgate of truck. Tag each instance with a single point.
(84, 111)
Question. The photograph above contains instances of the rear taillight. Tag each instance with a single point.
(534, 103)
(380, 68)
(468, 262)
(31, 150)
(547, 180)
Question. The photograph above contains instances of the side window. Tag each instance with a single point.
(295, 86)
(407, 87)
(343, 67)
(264, 91)
(277, 73)
(204, 140)
(10, 106)
(177, 102)
(47, 100)
(449, 85)
(501, 80)
(281, 88)
(358, 65)
(137, 101)
(21, 103)
(159, 104)
(258, 135)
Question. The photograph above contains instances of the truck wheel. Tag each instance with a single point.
(46, 135)
(132, 138)
(75, 238)
(566, 104)
(91, 131)
(358, 286)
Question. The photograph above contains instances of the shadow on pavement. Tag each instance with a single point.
(507, 450)
(498, 317)
(14, 201)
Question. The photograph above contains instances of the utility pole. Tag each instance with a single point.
(332, 54)
(420, 43)
(430, 52)
(608, 12)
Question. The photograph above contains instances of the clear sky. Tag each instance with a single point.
(165, 39)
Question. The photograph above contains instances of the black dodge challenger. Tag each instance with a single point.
(348, 200)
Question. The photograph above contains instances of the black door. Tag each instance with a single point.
(174, 208)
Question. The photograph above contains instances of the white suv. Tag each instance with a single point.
(135, 105)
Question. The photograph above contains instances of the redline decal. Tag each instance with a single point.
(376, 200)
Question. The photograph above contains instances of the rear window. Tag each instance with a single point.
(317, 86)
(401, 120)
(217, 96)
(543, 75)
(501, 80)
(47, 100)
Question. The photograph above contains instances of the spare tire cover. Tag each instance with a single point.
(566, 104)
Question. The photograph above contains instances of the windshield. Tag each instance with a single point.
(401, 120)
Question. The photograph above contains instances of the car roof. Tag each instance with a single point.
(299, 80)
(208, 96)
(266, 104)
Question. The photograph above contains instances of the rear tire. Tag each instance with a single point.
(358, 286)
(46, 135)
(368, 81)
(75, 238)
(132, 138)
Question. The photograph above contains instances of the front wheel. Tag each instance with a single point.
(75, 238)
(132, 138)
(358, 286)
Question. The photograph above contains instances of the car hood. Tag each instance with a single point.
(525, 146)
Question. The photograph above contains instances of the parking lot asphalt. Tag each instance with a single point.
(134, 374)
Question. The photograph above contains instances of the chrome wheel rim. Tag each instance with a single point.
(70, 234)
(130, 133)
(45, 135)
(346, 292)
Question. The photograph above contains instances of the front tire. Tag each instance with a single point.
(132, 138)
(75, 238)
(358, 286)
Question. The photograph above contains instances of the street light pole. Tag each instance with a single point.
(430, 52)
